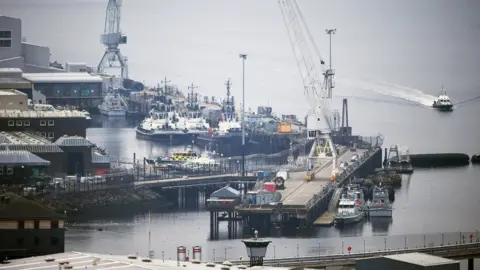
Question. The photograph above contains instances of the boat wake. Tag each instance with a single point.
(398, 91)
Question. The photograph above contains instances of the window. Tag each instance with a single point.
(54, 241)
(54, 224)
(11, 123)
(50, 135)
(19, 123)
(36, 224)
(43, 134)
(21, 224)
(26, 123)
(5, 43)
(51, 122)
(1, 171)
(43, 123)
(5, 34)
(9, 171)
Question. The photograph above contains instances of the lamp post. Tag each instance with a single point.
(244, 57)
(256, 249)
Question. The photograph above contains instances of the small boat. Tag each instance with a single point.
(113, 105)
(442, 101)
(380, 205)
(351, 207)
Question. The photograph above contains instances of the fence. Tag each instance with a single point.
(370, 142)
(71, 184)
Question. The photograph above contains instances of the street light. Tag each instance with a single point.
(244, 57)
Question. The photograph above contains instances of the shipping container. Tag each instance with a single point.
(285, 128)
(264, 197)
(270, 186)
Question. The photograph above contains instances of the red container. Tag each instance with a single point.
(270, 187)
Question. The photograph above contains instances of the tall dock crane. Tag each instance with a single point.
(112, 37)
(317, 89)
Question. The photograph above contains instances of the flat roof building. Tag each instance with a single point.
(79, 89)
(412, 261)
(28, 228)
(15, 52)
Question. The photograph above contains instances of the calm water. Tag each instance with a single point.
(391, 60)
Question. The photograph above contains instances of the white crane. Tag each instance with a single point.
(318, 89)
(112, 37)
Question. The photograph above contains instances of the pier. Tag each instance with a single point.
(303, 202)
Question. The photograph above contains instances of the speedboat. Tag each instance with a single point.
(442, 101)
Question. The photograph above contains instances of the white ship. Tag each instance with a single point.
(350, 207)
(442, 101)
(192, 120)
(113, 105)
(161, 125)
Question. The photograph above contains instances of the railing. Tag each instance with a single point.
(346, 250)
(371, 142)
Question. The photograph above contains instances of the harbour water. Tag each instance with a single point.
(391, 59)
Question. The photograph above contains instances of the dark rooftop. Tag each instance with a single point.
(20, 208)
(28, 142)
(21, 157)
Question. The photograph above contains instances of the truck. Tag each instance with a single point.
(282, 174)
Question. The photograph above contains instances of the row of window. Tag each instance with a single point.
(21, 241)
(54, 224)
(8, 171)
(49, 135)
(5, 39)
(26, 123)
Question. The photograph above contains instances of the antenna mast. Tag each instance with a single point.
(165, 85)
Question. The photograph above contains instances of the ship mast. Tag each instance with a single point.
(165, 85)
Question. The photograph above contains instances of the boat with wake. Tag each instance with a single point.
(442, 101)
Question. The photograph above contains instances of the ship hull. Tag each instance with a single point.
(380, 212)
(172, 137)
(340, 221)
(443, 107)
(228, 145)
(109, 113)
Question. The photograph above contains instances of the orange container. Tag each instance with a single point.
(285, 128)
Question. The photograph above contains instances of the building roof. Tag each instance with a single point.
(21, 157)
(10, 70)
(41, 114)
(27, 141)
(420, 259)
(62, 77)
(11, 92)
(81, 260)
(226, 192)
(72, 141)
(20, 208)
(8, 82)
